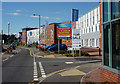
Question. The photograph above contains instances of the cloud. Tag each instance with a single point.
(56, 18)
(57, 12)
(13, 13)
(18, 10)
(45, 17)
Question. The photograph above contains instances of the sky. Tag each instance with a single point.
(20, 14)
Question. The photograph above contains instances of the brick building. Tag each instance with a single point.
(68, 41)
(51, 34)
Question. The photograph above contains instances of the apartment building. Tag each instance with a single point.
(89, 24)
(24, 35)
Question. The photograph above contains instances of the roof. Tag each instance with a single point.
(29, 28)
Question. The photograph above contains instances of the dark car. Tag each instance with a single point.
(13, 46)
(55, 47)
(50, 46)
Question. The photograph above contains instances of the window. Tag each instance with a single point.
(92, 29)
(106, 10)
(93, 19)
(116, 44)
(96, 27)
(107, 44)
(51, 32)
(115, 9)
(93, 43)
(86, 30)
(89, 29)
(30, 33)
(46, 34)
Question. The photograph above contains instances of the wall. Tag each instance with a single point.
(109, 76)
(51, 34)
(24, 38)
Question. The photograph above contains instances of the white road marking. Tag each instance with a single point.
(11, 55)
(69, 62)
(5, 59)
(35, 75)
(42, 70)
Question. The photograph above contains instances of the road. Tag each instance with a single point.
(19, 68)
(24, 68)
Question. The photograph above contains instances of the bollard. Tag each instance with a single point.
(10, 49)
(7, 50)
(99, 52)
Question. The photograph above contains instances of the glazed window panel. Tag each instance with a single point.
(106, 10)
(107, 44)
(116, 44)
(115, 9)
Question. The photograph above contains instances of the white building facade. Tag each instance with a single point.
(89, 25)
(32, 36)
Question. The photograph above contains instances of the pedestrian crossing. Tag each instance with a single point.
(38, 71)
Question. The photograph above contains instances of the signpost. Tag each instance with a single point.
(76, 39)
(63, 32)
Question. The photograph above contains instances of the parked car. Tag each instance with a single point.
(55, 47)
(37, 45)
(50, 46)
(43, 47)
(13, 46)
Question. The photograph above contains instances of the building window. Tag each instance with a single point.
(96, 27)
(86, 30)
(92, 29)
(89, 29)
(115, 9)
(106, 11)
(107, 44)
(30, 33)
(51, 32)
(46, 34)
(93, 42)
(116, 44)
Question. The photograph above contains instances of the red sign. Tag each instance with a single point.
(64, 32)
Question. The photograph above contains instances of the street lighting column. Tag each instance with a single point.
(39, 29)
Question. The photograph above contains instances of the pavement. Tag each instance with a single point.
(70, 76)
(36, 53)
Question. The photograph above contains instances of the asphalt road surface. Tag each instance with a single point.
(19, 68)
(23, 68)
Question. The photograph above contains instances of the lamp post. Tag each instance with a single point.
(8, 31)
(39, 28)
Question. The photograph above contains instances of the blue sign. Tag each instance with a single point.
(63, 25)
(75, 13)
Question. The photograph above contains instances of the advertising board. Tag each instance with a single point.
(64, 31)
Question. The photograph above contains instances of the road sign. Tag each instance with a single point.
(76, 38)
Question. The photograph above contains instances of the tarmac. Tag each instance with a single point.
(90, 77)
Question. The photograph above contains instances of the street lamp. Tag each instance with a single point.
(8, 31)
(39, 28)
